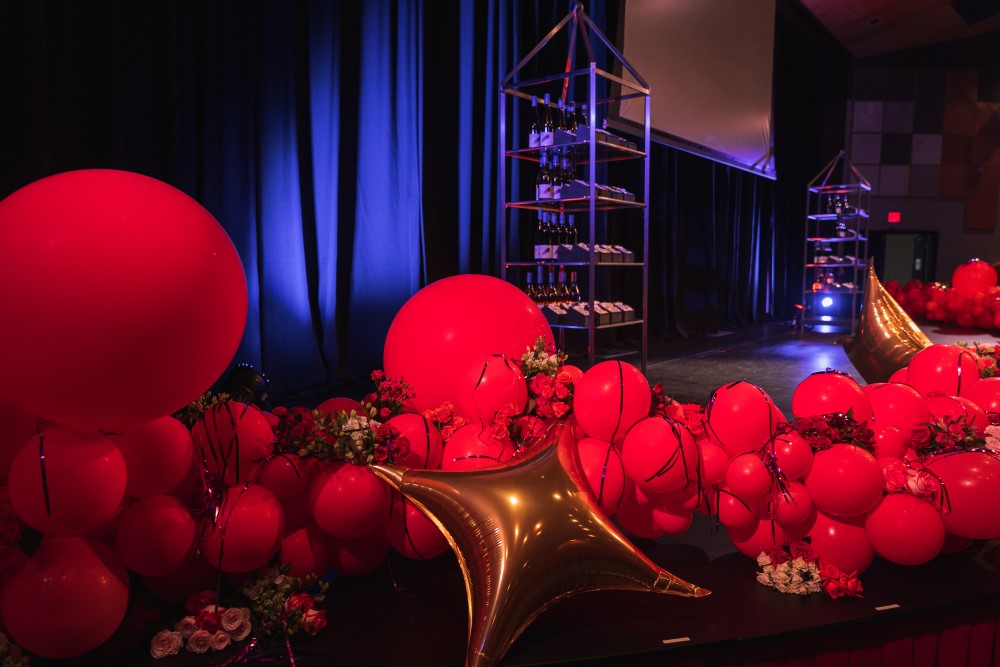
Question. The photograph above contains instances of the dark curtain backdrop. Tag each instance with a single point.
(350, 151)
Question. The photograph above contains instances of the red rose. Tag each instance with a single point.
(921, 436)
(198, 601)
(834, 588)
(209, 619)
(802, 550)
(853, 587)
(559, 408)
(314, 620)
(300, 601)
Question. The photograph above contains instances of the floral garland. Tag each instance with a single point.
(796, 569)
(824, 431)
(946, 434)
(987, 356)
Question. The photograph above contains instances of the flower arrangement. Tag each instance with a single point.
(541, 358)
(824, 431)
(796, 569)
(522, 430)
(197, 408)
(285, 605)
(992, 438)
(206, 627)
(689, 414)
(445, 419)
(550, 388)
(987, 356)
(304, 432)
(389, 398)
(909, 477)
(946, 434)
(11, 655)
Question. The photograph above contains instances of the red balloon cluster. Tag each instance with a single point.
(973, 300)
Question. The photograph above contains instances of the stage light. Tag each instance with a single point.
(246, 385)
(826, 302)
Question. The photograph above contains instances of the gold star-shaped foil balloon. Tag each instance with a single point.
(887, 339)
(527, 536)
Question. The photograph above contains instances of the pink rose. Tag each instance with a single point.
(220, 640)
(198, 601)
(186, 626)
(314, 620)
(922, 484)
(300, 601)
(241, 632)
(199, 641)
(562, 377)
(559, 408)
(231, 619)
(895, 479)
(165, 642)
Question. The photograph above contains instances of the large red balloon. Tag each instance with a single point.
(233, 440)
(487, 384)
(16, 426)
(958, 408)
(130, 299)
(905, 530)
(247, 532)
(411, 533)
(601, 467)
(426, 446)
(741, 417)
(842, 542)
(845, 481)
(66, 599)
(472, 447)
(459, 319)
(609, 398)
(985, 393)
(64, 482)
(349, 501)
(900, 405)
(972, 481)
(828, 393)
(306, 550)
(660, 455)
(972, 277)
(942, 369)
(156, 536)
(158, 456)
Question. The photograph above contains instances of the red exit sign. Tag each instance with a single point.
(894, 217)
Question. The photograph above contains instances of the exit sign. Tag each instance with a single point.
(894, 216)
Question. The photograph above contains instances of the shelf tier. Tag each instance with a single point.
(556, 262)
(833, 217)
(580, 150)
(615, 325)
(836, 290)
(837, 239)
(841, 189)
(576, 204)
(835, 265)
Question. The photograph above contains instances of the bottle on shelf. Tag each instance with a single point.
(841, 228)
(557, 177)
(551, 288)
(584, 120)
(571, 231)
(529, 286)
(534, 131)
(818, 281)
(539, 287)
(562, 286)
(545, 138)
(561, 116)
(572, 121)
(574, 288)
(543, 180)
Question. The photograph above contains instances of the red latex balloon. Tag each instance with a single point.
(973, 483)
(336, 405)
(828, 393)
(899, 405)
(487, 384)
(65, 600)
(232, 440)
(972, 277)
(901, 375)
(156, 536)
(958, 408)
(942, 369)
(426, 446)
(889, 440)
(906, 530)
(794, 508)
(954, 544)
(83, 484)
(660, 455)
(575, 372)
(194, 575)
(349, 501)
(435, 324)
(356, 558)
(736, 513)
(985, 393)
(758, 537)
(672, 521)
(603, 472)
(714, 462)
(287, 475)
(636, 518)
(842, 542)
(131, 299)
(247, 532)
(609, 399)
(472, 447)
(747, 477)
(158, 456)
(411, 533)
(306, 550)
(793, 455)
(845, 481)
(741, 417)
(16, 426)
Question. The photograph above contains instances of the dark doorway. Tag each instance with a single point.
(904, 256)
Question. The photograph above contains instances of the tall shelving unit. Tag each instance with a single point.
(835, 252)
(590, 148)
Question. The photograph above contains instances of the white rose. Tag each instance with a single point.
(166, 642)
(199, 641)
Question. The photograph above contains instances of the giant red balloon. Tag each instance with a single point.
(845, 481)
(458, 319)
(76, 486)
(942, 369)
(609, 398)
(65, 600)
(905, 530)
(158, 456)
(972, 480)
(130, 298)
(973, 276)
(156, 536)
(247, 532)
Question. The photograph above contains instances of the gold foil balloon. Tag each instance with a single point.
(886, 339)
(527, 536)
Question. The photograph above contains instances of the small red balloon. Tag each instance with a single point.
(158, 456)
(714, 462)
(603, 471)
(306, 550)
(660, 455)
(759, 537)
(748, 477)
(349, 501)
(411, 533)
(845, 481)
(355, 558)
(609, 399)
(905, 530)
(247, 531)
(287, 475)
(672, 521)
(334, 406)
(985, 393)
(795, 507)
(889, 440)
(426, 446)
(793, 455)
(156, 536)
(958, 409)
(899, 405)
(736, 513)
